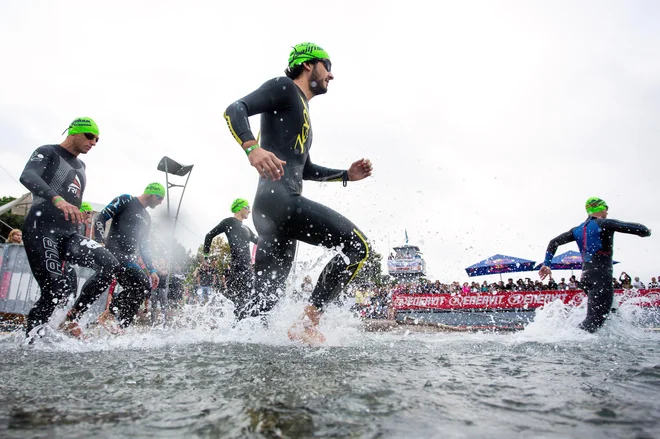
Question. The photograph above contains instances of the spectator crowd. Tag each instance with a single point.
(373, 301)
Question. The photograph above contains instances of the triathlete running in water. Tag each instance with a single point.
(282, 216)
(240, 278)
(128, 240)
(594, 238)
(56, 178)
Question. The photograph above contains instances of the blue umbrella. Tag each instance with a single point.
(499, 264)
(571, 260)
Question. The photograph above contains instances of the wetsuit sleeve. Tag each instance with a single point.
(253, 237)
(109, 212)
(554, 244)
(622, 227)
(32, 176)
(273, 95)
(220, 228)
(320, 173)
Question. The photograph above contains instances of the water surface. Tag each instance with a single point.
(209, 379)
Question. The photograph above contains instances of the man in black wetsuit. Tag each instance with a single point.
(56, 178)
(282, 216)
(594, 238)
(239, 236)
(127, 241)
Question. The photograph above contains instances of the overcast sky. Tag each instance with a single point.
(488, 123)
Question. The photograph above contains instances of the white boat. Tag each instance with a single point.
(406, 262)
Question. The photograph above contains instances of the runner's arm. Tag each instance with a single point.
(623, 227)
(320, 173)
(554, 244)
(32, 176)
(110, 211)
(220, 228)
(273, 95)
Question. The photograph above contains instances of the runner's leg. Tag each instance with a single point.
(88, 253)
(135, 284)
(44, 256)
(600, 295)
(239, 290)
(320, 225)
(272, 265)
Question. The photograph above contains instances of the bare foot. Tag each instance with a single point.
(108, 321)
(72, 329)
(307, 330)
(310, 336)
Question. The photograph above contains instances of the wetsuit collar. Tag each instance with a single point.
(300, 90)
(66, 151)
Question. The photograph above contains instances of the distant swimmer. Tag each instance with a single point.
(56, 177)
(594, 238)
(282, 216)
(241, 275)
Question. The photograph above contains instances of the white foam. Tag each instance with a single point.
(215, 323)
(558, 322)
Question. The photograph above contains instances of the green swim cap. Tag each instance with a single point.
(86, 207)
(155, 189)
(304, 52)
(595, 204)
(83, 125)
(238, 204)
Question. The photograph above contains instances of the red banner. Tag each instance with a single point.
(510, 299)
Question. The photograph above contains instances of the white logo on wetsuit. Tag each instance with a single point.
(89, 243)
(36, 157)
(52, 257)
(75, 187)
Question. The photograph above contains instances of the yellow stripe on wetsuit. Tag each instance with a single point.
(231, 129)
(361, 263)
(233, 133)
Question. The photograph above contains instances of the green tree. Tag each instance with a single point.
(219, 256)
(219, 253)
(9, 220)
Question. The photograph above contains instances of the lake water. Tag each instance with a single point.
(206, 377)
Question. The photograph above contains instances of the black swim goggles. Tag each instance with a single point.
(91, 136)
(327, 64)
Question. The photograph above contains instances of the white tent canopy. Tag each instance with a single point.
(21, 205)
